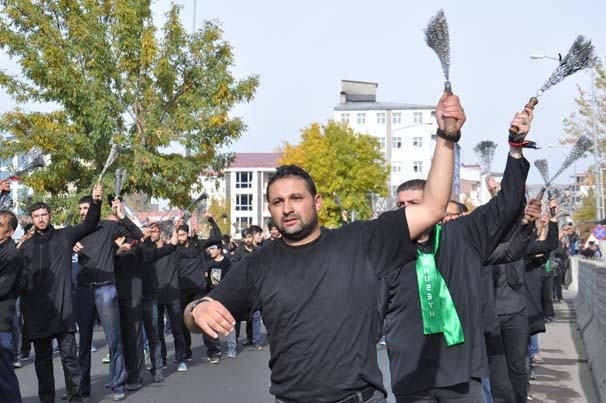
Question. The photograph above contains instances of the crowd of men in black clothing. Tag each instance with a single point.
(107, 270)
(456, 294)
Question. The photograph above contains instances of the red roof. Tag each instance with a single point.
(255, 160)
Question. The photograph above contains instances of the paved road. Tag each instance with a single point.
(563, 378)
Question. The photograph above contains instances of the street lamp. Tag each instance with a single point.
(599, 202)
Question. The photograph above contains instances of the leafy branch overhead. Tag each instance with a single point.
(348, 168)
(92, 73)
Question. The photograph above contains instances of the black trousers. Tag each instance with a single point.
(175, 316)
(187, 296)
(557, 288)
(150, 322)
(514, 336)
(500, 385)
(546, 301)
(468, 392)
(131, 316)
(44, 367)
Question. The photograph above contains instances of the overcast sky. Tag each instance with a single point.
(303, 49)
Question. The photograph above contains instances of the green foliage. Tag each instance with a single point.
(581, 121)
(109, 75)
(587, 212)
(219, 207)
(342, 163)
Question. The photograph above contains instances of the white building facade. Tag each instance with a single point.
(245, 185)
(406, 132)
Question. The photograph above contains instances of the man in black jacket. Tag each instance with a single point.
(432, 365)
(10, 275)
(47, 300)
(96, 292)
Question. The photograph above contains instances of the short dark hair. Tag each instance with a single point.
(460, 206)
(38, 206)
(413, 184)
(184, 228)
(270, 225)
(256, 229)
(86, 199)
(12, 218)
(285, 171)
(246, 232)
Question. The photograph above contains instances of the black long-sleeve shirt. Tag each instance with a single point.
(47, 301)
(11, 264)
(98, 253)
(419, 361)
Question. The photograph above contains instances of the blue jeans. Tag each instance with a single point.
(256, 327)
(533, 345)
(103, 300)
(486, 390)
(9, 385)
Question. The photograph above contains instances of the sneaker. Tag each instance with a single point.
(25, 357)
(133, 386)
(106, 359)
(17, 364)
(213, 360)
(533, 377)
(182, 367)
(158, 377)
(146, 353)
(536, 359)
(117, 396)
(257, 347)
(231, 355)
(247, 343)
(93, 349)
(164, 365)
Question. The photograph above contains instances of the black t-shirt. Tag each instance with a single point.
(419, 361)
(192, 264)
(216, 270)
(319, 305)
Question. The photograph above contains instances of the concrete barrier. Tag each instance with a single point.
(590, 307)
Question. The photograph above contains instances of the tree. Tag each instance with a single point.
(587, 211)
(581, 122)
(111, 76)
(219, 207)
(348, 168)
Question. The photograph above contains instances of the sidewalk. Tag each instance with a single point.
(564, 377)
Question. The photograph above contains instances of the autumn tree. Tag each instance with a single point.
(581, 122)
(220, 209)
(104, 73)
(587, 211)
(348, 168)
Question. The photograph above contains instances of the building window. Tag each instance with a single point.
(417, 117)
(396, 142)
(417, 166)
(380, 118)
(345, 117)
(243, 222)
(396, 167)
(361, 118)
(244, 180)
(394, 190)
(417, 142)
(396, 118)
(244, 202)
(381, 142)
